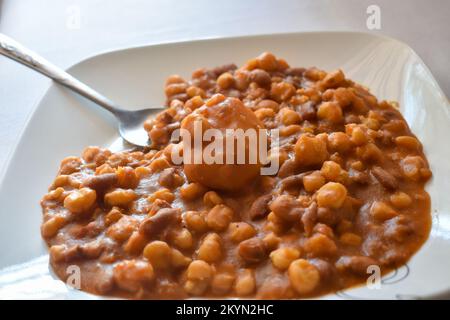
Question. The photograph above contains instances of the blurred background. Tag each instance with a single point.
(67, 31)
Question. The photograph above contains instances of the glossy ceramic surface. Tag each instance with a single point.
(63, 124)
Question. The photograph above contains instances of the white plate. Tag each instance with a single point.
(63, 124)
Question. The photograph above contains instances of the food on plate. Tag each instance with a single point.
(347, 195)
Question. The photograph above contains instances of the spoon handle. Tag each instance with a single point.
(15, 51)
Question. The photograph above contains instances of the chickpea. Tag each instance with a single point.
(331, 195)
(350, 239)
(132, 275)
(159, 254)
(222, 283)
(70, 165)
(158, 164)
(199, 276)
(57, 252)
(183, 239)
(289, 116)
(163, 194)
(343, 96)
(241, 80)
(178, 260)
(122, 229)
(401, 200)
(382, 211)
(142, 172)
(315, 74)
(282, 258)
(80, 200)
(267, 61)
(264, 113)
(290, 130)
(225, 80)
(60, 181)
(211, 198)
(245, 283)
(282, 91)
(215, 99)
(195, 92)
(271, 241)
(268, 104)
(174, 79)
(192, 191)
(211, 248)
(240, 231)
(331, 112)
(358, 136)
(127, 178)
(310, 150)
(331, 170)
(333, 79)
(95, 154)
(219, 217)
(51, 227)
(412, 166)
(313, 181)
(59, 194)
(175, 88)
(370, 153)
(304, 277)
(358, 165)
(195, 221)
(408, 142)
(194, 103)
(339, 142)
(320, 245)
(323, 229)
(136, 243)
(120, 197)
(113, 216)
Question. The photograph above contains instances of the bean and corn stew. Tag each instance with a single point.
(349, 194)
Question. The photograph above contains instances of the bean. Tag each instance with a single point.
(260, 207)
(154, 225)
(384, 177)
(252, 250)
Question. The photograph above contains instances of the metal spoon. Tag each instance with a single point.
(130, 122)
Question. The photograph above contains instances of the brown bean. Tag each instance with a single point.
(260, 207)
(385, 178)
(261, 77)
(309, 218)
(307, 111)
(358, 176)
(287, 208)
(170, 179)
(102, 182)
(156, 224)
(224, 68)
(252, 250)
(293, 181)
(288, 168)
(355, 264)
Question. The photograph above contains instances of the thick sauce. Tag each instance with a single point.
(349, 194)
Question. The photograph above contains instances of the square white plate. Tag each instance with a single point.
(63, 124)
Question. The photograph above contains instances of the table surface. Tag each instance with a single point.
(66, 31)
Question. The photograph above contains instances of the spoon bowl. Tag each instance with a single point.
(131, 125)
